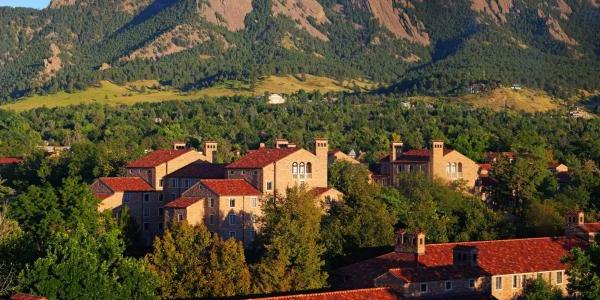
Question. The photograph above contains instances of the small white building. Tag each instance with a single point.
(276, 99)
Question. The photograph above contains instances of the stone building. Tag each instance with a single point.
(437, 162)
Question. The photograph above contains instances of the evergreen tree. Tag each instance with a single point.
(289, 239)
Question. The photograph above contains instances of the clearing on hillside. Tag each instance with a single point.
(525, 100)
(151, 91)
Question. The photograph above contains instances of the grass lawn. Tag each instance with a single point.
(145, 91)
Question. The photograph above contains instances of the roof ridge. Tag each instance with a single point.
(502, 240)
(330, 293)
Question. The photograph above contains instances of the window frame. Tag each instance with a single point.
(498, 283)
(515, 281)
(231, 200)
(146, 197)
(211, 202)
(254, 201)
(230, 218)
(161, 211)
(448, 285)
(146, 212)
(211, 219)
(559, 277)
(424, 285)
(269, 185)
(471, 283)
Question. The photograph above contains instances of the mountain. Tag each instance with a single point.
(412, 46)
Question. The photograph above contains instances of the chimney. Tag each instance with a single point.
(320, 168)
(464, 255)
(573, 219)
(210, 151)
(437, 159)
(281, 143)
(179, 146)
(396, 150)
(410, 242)
(292, 145)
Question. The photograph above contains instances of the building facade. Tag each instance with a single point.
(437, 162)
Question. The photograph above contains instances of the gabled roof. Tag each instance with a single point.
(230, 187)
(200, 169)
(590, 227)
(371, 294)
(497, 257)
(415, 156)
(261, 157)
(182, 202)
(10, 160)
(126, 184)
(156, 158)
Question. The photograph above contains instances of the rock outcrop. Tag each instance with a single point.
(300, 11)
(497, 9)
(228, 13)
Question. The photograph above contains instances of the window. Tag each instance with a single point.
(146, 211)
(515, 282)
(453, 170)
(471, 283)
(295, 170)
(211, 202)
(540, 275)
(232, 234)
(231, 172)
(243, 172)
(448, 285)
(186, 183)
(161, 182)
(146, 226)
(179, 217)
(460, 170)
(161, 227)
(160, 197)
(161, 211)
(254, 201)
(232, 219)
(423, 287)
(126, 198)
(302, 170)
(559, 279)
(269, 185)
(231, 202)
(498, 283)
(175, 182)
(448, 169)
(146, 197)
(309, 168)
(211, 219)
(255, 172)
(523, 280)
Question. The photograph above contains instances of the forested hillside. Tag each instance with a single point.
(414, 47)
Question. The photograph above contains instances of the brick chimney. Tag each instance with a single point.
(210, 151)
(396, 150)
(410, 242)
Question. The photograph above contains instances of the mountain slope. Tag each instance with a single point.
(433, 47)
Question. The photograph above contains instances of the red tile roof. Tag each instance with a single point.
(10, 160)
(200, 169)
(494, 257)
(21, 296)
(590, 227)
(182, 202)
(126, 184)
(261, 157)
(156, 158)
(486, 167)
(371, 294)
(230, 187)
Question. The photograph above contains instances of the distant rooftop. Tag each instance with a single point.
(156, 158)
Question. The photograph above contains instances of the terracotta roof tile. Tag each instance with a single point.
(371, 294)
(21, 296)
(261, 157)
(590, 227)
(156, 158)
(200, 169)
(126, 184)
(494, 257)
(10, 160)
(230, 187)
(486, 167)
(182, 202)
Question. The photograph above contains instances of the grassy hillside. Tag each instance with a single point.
(151, 91)
(526, 100)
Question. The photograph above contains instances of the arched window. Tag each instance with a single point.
(302, 168)
(453, 170)
(295, 168)
(309, 168)
(459, 169)
(448, 169)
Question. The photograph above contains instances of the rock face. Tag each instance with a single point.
(52, 65)
(555, 30)
(180, 38)
(392, 15)
(300, 11)
(228, 13)
(498, 9)
(61, 3)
